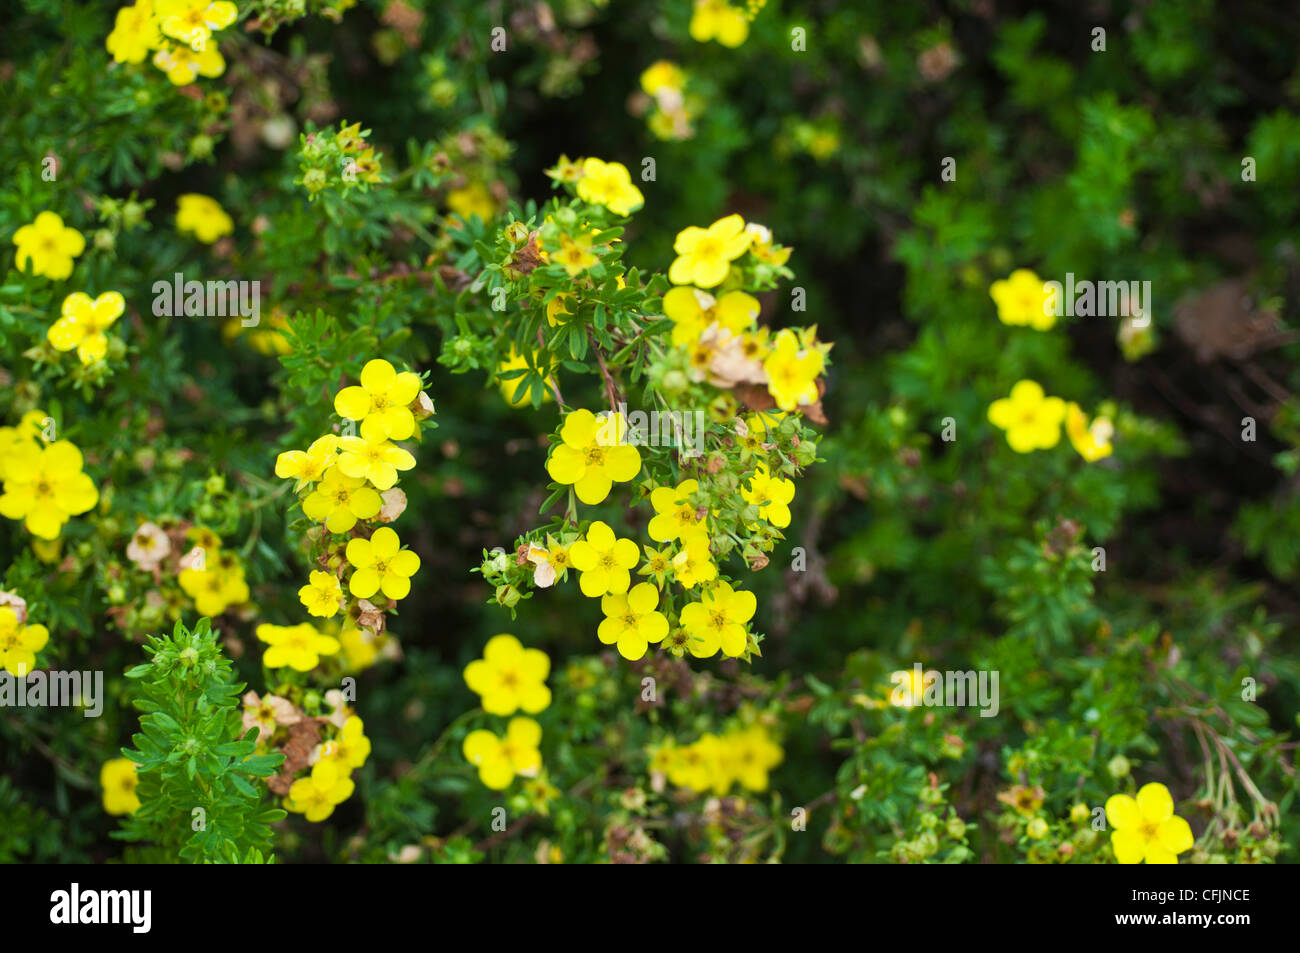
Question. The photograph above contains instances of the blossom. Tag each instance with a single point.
(610, 185)
(44, 487)
(339, 501)
(322, 594)
(19, 643)
(183, 64)
(118, 779)
(308, 466)
(384, 395)
(704, 255)
(372, 457)
(202, 216)
(603, 561)
(135, 33)
(675, 514)
(267, 713)
(510, 677)
(84, 322)
(381, 564)
(148, 547)
(692, 565)
(718, 20)
(792, 371)
(49, 245)
(593, 455)
(754, 754)
(631, 620)
(316, 795)
(1092, 441)
(575, 254)
(1021, 299)
(718, 620)
(693, 310)
(352, 747)
(192, 21)
(214, 588)
(499, 759)
(1147, 828)
(1031, 420)
(762, 246)
(473, 199)
(658, 563)
(772, 495)
(660, 75)
(297, 646)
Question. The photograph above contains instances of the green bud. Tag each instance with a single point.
(1118, 766)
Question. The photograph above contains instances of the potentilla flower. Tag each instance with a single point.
(762, 246)
(310, 465)
(575, 254)
(499, 759)
(371, 456)
(15, 602)
(198, 214)
(772, 495)
(754, 754)
(213, 588)
(603, 561)
(792, 371)
(297, 646)
(1032, 421)
(316, 795)
(183, 65)
(384, 395)
(118, 779)
(610, 185)
(704, 255)
(566, 169)
(717, 20)
(19, 643)
(339, 501)
(192, 21)
(675, 514)
(544, 569)
(662, 75)
(693, 310)
(1020, 299)
(692, 565)
(658, 563)
(49, 245)
(322, 594)
(135, 33)
(510, 677)
(148, 547)
(381, 564)
(268, 713)
(84, 322)
(631, 620)
(593, 455)
(719, 620)
(44, 487)
(1092, 441)
(1147, 828)
(352, 747)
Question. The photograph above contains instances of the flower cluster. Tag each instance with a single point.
(179, 33)
(716, 762)
(508, 678)
(719, 20)
(673, 109)
(1032, 421)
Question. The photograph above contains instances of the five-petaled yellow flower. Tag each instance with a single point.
(772, 495)
(693, 310)
(510, 677)
(1146, 828)
(192, 21)
(719, 620)
(297, 646)
(19, 643)
(135, 33)
(384, 395)
(199, 214)
(308, 466)
(49, 245)
(675, 514)
(381, 565)
(603, 561)
(593, 455)
(1021, 300)
(316, 795)
(372, 457)
(84, 322)
(44, 487)
(610, 185)
(322, 594)
(499, 759)
(1032, 421)
(792, 371)
(118, 779)
(339, 501)
(631, 620)
(704, 255)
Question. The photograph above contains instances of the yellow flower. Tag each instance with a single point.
(499, 759)
(772, 495)
(692, 565)
(631, 621)
(792, 371)
(575, 254)
(381, 564)
(297, 646)
(372, 457)
(339, 501)
(662, 75)
(319, 793)
(704, 255)
(566, 169)
(84, 322)
(1147, 828)
(674, 512)
(754, 754)
(1091, 441)
(135, 33)
(762, 246)
(183, 65)
(593, 455)
(202, 216)
(473, 199)
(361, 649)
(214, 588)
(719, 620)
(717, 20)
(352, 747)
(384, 395)
(49, 245)
(310, 465)
(693, 310)
(510, 677)
(1020, 299)
(609, 184)
(118, 779)
(1032, 421)
(19, 643)
(321, 595)
(192, 21)
(44, 487)
(603, 561)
